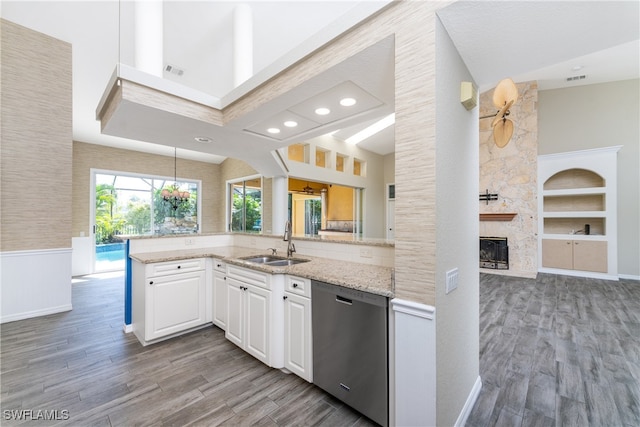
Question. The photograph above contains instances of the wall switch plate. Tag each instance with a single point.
(452, 280)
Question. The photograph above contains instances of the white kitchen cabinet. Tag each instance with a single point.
(297, 328)
(168, 298)
(219, 294)
(253, 323)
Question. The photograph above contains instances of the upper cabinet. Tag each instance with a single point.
(577, 213)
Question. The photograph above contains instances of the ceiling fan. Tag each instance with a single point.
(306, 190)
(504, 96)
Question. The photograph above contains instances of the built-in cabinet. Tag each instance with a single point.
(578, 213)
(297, 327)
(170, 297)
(268, 316)
(254, 323)
(219, 294)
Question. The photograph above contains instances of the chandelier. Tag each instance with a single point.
(172, 194)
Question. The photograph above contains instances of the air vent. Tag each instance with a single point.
(174, 70)
(575, 78)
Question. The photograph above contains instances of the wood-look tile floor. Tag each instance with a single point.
(83, 365)
(558, 351)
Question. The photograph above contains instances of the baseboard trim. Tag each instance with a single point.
(469, 404)
(36, 313)
(127, 328)
(628, 277)
(579, 273)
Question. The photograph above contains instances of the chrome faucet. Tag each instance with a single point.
(291, 248)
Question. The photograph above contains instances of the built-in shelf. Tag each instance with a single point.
(497, 216)
(577, 213)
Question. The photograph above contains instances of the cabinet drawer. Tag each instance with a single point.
(219, 266)
(174, 267)
(252, 277)
(299, 286)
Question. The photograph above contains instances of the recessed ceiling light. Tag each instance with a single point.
(322, 111)
(203, 139)
(273, 130)
(347, 102)
(290, 124)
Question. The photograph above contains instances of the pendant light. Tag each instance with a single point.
(172, 194)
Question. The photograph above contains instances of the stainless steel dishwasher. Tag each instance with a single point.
(350, 347)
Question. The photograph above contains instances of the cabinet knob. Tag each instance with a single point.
(295, 285)
(178, 267)
(218, 265)
(285, 297)
(151, 282)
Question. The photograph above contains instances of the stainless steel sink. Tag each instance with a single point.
(262, 259)
(284, 262)
(274, 261)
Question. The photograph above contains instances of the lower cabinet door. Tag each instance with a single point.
(590, 256)
(175, 303)
(258, 315)
(220, 300)
(557, 254)
(297, 336)
(235, 312)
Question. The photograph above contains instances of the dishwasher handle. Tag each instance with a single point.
(344, 300)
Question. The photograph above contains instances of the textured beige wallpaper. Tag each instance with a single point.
(36, 98)
(88, 156)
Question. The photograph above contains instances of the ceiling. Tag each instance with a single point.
(537, 40)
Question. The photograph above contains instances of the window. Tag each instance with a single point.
(322, 157)
(298, 153)
(340, 162)
(133, 205)
(245, 205)
(359, 167)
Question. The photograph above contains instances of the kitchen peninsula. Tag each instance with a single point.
(360, 264)
(263, 300)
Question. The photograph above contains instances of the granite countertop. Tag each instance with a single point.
(365, 277)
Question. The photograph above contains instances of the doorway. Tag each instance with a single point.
(133, 205)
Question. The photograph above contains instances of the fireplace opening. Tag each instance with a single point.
(494, 253)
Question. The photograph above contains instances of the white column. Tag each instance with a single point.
(279, 196)
(148, 30)
(242, 44)
(323, 209)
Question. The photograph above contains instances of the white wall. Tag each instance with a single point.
(457, 176)
(594, 116)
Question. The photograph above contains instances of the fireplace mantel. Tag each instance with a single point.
(497, 216)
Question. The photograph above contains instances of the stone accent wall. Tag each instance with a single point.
(511, 173)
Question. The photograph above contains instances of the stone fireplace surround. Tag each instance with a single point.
(511, 173)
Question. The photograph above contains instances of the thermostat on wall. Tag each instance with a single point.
(468, 95)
